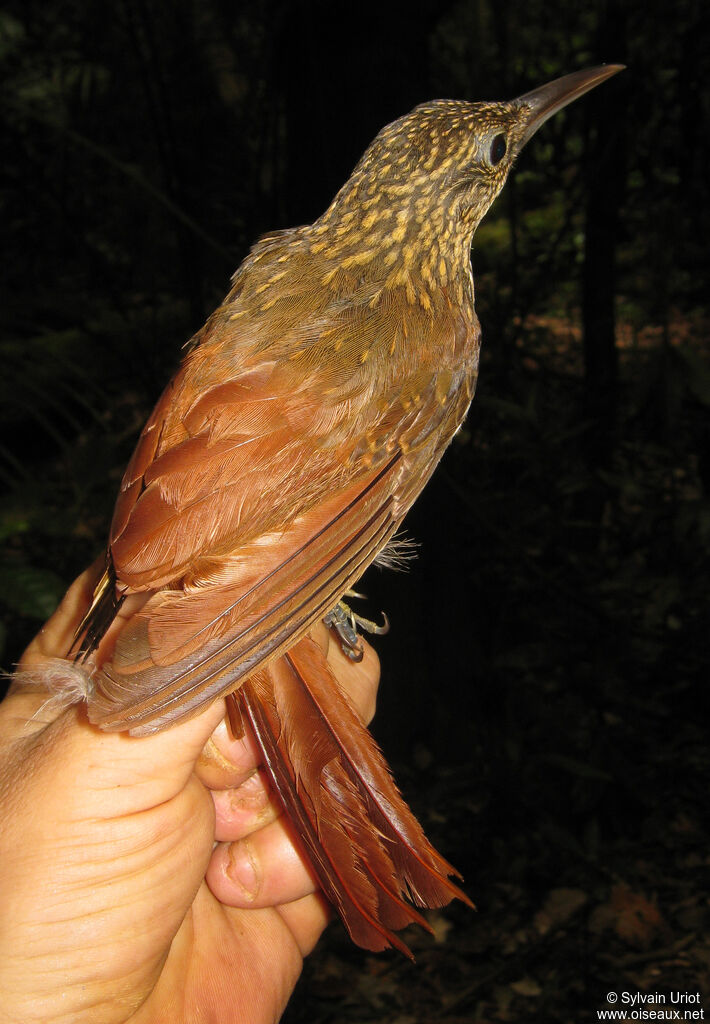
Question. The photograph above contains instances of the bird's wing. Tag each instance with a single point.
(253, 501)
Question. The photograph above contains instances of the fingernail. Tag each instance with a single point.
(252, 795)
(242, 869)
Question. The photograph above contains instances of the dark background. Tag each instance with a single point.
(544, 684)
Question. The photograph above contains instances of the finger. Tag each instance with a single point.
(115, 774)
(359, 679)
(41, 671)
(226, 762)
(305, 919)
(261, 870)
(241, 811)
(55, 637)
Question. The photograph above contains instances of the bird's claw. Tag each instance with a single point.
(345, 622)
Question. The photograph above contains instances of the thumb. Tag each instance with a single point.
(114, 772)
(38, 725)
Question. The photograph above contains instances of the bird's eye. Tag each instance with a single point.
(498, 148)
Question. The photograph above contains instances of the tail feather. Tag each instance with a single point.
(366, 847)
(104, 607)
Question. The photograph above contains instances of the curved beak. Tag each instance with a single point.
(548, 99)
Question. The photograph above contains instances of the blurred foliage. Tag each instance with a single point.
(552, 641)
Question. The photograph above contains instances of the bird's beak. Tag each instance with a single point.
(548, 99)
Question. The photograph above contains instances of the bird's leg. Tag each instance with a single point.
(345, 622)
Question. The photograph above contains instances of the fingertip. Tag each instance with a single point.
(225, 761)
(264, 869)
(359, 678)
(244, 809)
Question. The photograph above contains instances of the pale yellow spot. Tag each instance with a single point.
(327, 278)
(432, 158)
(337, 344)
(408, 254)
(317, 247)
(268, 305)
(357, 258)
(235, 316)
(364, 356)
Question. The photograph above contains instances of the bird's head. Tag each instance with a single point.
(428, 178)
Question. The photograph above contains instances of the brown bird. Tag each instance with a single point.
(308, 414)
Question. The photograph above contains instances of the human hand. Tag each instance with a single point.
(117, 904)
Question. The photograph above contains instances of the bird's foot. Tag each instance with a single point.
(345, 623)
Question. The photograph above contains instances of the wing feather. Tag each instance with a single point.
(230, 630)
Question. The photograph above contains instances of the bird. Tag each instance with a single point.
(305, 419)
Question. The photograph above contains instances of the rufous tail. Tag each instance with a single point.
(366, 848)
